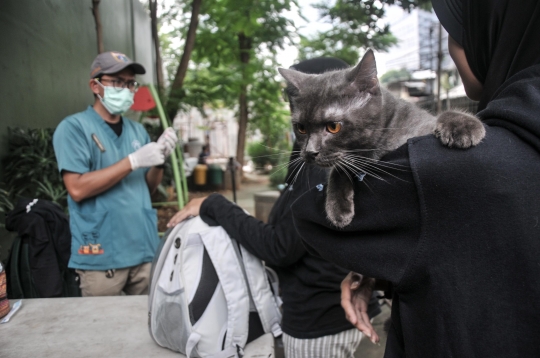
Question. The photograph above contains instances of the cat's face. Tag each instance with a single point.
(336, 113)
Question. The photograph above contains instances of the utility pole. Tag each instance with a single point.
(439, 65)
(431, 47)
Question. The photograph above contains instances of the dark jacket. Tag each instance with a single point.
(310, 286)
(46, 228)
(457, 233)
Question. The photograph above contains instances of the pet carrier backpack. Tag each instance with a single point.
(209, 296)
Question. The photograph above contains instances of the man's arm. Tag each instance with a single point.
(153, 178)
(87, 185)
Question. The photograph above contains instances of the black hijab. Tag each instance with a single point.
(500, 37)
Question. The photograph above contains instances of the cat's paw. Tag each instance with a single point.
(459, 130)
(339, 212)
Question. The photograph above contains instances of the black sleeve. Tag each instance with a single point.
(382, 238)
(277, 245)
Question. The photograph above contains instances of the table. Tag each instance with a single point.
(91, 327)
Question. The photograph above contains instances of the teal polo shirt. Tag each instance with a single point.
(120, 219)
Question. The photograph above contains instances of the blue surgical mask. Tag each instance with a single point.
(116, 101)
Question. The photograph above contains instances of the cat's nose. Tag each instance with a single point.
(312, 155)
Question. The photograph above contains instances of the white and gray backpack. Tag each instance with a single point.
(209, 296)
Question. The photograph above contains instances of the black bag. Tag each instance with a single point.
(38, 262)
(20, 283)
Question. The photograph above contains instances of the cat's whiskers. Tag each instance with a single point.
(294, 165)
(358, 168)
(286, 165)
(343, 166)
(382, 163)
(266, 146)
(358, 161)
(276, 154)
(361, 150)
(297, 173)
(374, 166)
(364, 165)
(354, 151)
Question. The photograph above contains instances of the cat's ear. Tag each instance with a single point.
(295, 78)
(364, 75)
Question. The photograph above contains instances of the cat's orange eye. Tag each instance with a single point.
(300, 128)
(333, 127)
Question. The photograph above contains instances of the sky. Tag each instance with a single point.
(288, 56)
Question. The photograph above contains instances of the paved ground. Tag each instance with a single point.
(253, 184)
(368, 349)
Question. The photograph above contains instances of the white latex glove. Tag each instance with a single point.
(146, 156)
(169, 140)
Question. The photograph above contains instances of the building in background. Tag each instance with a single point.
(218, 128)
(418, 41)
(417, 52)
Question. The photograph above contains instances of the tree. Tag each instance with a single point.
(268, 114)
(234, 35)
(233, 58)
(410, 4)
(175, 92)
(355, 26)
(395, 75)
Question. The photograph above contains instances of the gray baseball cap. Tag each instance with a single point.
(107, 63)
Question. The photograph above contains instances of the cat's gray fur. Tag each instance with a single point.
(373, 123)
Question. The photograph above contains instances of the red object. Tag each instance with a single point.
(143, 100)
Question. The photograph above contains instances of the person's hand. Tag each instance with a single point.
(356, 293)
(147, 156)
(168, 139)
(191, 209)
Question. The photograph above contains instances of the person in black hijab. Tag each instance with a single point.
(499, 39)
(456, 232)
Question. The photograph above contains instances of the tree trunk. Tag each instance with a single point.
(245, 44)
(157, 47)
(176, 87)
(99, 32)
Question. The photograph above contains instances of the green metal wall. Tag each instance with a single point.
(46, 49)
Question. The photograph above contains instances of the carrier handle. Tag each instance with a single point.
(192, 342)
(230, 352)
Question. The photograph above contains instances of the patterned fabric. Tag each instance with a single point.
(4, 302)
(340, 345)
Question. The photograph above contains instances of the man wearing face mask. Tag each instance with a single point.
(110, 167)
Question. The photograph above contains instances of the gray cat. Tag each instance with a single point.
(344, 120)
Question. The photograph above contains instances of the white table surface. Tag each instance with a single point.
(82, 327)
